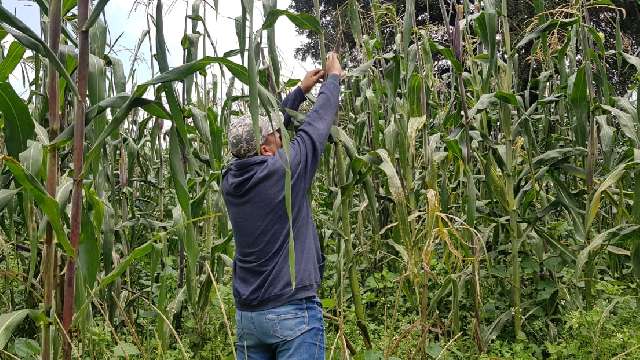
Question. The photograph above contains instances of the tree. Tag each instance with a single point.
(334, 18)
(335, 23)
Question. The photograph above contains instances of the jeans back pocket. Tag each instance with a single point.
(289, 325)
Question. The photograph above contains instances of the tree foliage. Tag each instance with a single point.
(523, 16)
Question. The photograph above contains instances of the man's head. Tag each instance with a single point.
(242, 140)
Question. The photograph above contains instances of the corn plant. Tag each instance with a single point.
(455, 204)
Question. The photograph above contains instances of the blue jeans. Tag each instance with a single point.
(291, 331)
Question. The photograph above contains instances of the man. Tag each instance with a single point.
(275, 320)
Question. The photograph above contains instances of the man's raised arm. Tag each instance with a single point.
(297, 96)
(308, 144)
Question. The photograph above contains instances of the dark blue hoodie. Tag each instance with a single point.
(253, 190)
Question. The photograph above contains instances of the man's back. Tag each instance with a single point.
(253, 189)
(254, 193)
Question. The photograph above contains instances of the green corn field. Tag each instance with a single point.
(479, 196)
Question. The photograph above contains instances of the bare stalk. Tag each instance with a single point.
(48, 271)
(78, 157)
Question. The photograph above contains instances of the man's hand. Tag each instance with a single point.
(311, 79)
(333, 64)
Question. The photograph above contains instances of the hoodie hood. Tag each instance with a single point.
(244, 174)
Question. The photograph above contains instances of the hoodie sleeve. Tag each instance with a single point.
(308, 144)
(293, 102)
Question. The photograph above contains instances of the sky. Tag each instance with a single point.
(127, 26)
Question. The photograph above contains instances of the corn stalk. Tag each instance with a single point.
(49, 269)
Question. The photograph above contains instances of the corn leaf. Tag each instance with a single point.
(31, 40)
(117, 72)
(610, 236)
(633, 60)
(611, 179)
(18, 124)
(178, 145)
(448, 54)
(47, 204)
(550, 25)
(31, 159)
(88, 250)
(95, 14)
(8, 322)
(302, 20)
(181, 72)
(626, 122)
(580, 105)
(152, 107)
(557, 155)
(6, 195)
(136, 254)
(268, 6)
(383, 161)
(11, 60)
(167, 76)
(68, 5)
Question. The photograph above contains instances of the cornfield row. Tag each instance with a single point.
(475, 206)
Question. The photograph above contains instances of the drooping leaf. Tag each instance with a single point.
(483, 103)
(27, 348)
(31, 40)
(385, 164)
(302, 20)
(241, 33)
(191, 43)
(152, 107)
(47, 204)
(11, 60)
(557, 155)
(68, 5)
(95, 13)
(553, 24)
(31, 158)
(633, 60)
(181, 72)
(409, 23)
(136, 254)
(611, 179)
(6, 195)
(626, 122)
(274, 68)
(202, 124)
(448, 54)
(18, 124)
(362, 70)
(8, 322)
(610, 236)
(117, 71)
